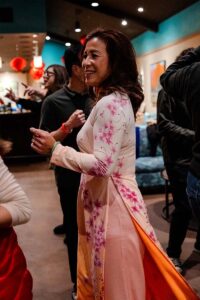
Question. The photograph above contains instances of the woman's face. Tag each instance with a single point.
(95, 62)
(49, 78)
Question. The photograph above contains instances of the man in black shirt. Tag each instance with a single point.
(56, 109)
(177, 139)
(182, 81)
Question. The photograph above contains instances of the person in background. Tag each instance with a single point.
(55, 76)
(56, 109)
(15, 279)
(177, 140)
(119, 256)
(181, 81)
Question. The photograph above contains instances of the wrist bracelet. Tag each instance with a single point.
(54, 146)
(65, 129)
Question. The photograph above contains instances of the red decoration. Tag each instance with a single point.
(36, 73)
(82, 39)
(63, 60)
(18, 63)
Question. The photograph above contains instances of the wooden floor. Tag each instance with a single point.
(46, 253)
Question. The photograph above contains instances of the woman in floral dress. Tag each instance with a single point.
(119, 256)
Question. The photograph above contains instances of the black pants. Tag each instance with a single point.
(68, 185)
(181, 215)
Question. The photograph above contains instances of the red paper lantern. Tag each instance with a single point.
(82, 39)
(18, 63)
(36, 73)
(63, 60)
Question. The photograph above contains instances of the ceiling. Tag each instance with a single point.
(23, 44)
(61, 16)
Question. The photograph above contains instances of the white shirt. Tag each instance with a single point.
(12, 197)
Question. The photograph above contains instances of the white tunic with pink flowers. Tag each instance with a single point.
(107, 164)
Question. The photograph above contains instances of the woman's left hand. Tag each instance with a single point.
(42, 141)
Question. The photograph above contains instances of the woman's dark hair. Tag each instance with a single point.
(124, 75)
(61, 77)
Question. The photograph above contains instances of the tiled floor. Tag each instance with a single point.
(46, 253)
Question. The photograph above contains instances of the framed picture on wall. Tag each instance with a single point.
(157, 69)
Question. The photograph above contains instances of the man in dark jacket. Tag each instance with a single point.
(177, 138)
(56, 109)
(182, 81)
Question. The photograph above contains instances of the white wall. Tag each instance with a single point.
(169, 54)
(13, 80)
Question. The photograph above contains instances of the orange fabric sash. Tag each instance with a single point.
(162, 279)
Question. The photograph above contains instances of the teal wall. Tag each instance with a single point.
(52, 53)
(28, 15)
(183, 24)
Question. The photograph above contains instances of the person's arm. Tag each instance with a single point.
(48, 117)
(32, 91)
(77, 119)
(14, 204)
(167, 124)
(108, 131)
(177, 80)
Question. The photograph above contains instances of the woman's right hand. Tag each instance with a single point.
(42, 141)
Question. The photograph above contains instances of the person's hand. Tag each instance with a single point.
(11, 95)
(30, 91)
(76, 119)
(42, 141)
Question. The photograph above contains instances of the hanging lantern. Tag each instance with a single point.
(82, 39)
(37, 61)
(36, 73)
(18, 63)
(32, 65)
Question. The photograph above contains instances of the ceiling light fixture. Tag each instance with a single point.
(68, 44)
(124, 22)
(77, 27)
(140, 9)
(37, 59)
(94, 4)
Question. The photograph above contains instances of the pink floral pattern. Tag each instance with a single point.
(107, 142)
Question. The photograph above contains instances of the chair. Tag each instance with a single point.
(168, 201)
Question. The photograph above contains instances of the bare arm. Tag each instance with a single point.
(5, 217)
(31, 91)
(75, 120)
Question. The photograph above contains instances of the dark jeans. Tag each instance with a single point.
(68, 185)
(181, 215)
(193, 192)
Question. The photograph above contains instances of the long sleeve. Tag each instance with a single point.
(108, 130)
(12, 197)
(167, 120)
(48, 118)
(178, 80)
